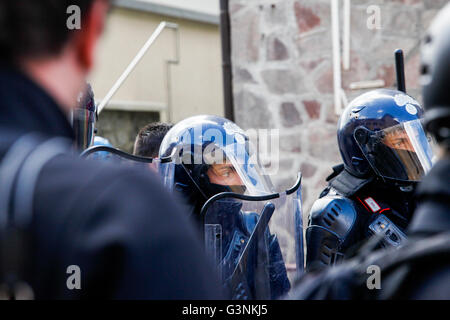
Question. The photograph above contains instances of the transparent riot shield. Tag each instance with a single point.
(110, 154)
(166, 170)
(256, 242)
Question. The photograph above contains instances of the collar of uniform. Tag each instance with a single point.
(347, 184)
(26, 107)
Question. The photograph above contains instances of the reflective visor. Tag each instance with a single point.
(238, 168)
(402, 152)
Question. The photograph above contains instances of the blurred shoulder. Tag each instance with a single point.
(85, 186)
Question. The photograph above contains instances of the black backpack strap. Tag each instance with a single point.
(19, 171)
(347, 184)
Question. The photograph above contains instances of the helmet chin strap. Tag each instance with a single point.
(219, 188)
(405, 187)
(212, 188)
(193, 181)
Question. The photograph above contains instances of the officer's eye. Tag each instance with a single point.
(226, 172)
(400, 142)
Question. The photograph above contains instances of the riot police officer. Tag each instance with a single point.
(385, 153)
(212, 155)
(421, 268)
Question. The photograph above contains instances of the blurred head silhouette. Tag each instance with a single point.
(53, 42)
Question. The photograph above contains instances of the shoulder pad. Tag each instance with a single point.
(336, 170)
(347, 184)
(334, 213)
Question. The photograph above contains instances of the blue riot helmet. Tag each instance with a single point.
(84, 117)
(381, 133)
(211, 155)
(101, 141)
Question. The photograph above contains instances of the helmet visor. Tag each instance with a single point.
(237, 167)
(401, 152)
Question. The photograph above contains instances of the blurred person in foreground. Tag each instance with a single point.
(59, 213)
(421, 268)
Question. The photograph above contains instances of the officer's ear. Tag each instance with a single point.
(87, 37)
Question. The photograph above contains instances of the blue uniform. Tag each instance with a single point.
(351, 210)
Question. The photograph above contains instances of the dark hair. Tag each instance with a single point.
(149, 139)
(30, 28)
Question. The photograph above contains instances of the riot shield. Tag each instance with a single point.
(110, 154)
(163, 167)
(166, 170)
(256, 243)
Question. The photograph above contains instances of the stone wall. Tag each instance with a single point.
(283, 72)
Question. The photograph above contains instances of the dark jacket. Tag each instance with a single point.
(432, 217)
(128, 236)
(433, 214)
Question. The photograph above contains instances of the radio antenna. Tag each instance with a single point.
(400, 68)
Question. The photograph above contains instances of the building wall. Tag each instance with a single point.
(121, 127)
(202, 6)
(283, 72)
(196, 81)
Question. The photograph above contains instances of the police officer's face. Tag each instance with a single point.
(399, 140)
(224, 174)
